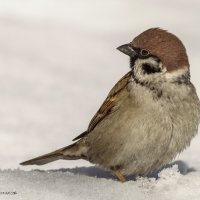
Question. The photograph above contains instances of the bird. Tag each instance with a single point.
(149, 116)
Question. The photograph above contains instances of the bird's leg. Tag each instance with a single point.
(118, 174)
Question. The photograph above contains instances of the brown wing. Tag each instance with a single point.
(109, 105)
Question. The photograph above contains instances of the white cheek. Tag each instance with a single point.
(140, 62)
(139, 73)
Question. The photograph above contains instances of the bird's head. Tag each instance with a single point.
(156, 53)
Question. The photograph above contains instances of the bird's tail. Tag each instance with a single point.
(72, 152)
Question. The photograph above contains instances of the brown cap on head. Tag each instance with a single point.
(166, 46)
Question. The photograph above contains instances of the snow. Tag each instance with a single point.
(58, 60)
(93, 183)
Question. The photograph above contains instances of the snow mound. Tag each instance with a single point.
(94, 183)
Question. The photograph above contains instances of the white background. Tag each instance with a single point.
(58, 61)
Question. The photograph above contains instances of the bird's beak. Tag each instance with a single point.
(128, 50)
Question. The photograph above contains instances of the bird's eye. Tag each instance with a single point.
(144, 52)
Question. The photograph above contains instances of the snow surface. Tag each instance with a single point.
(93, 183)
(57, 64)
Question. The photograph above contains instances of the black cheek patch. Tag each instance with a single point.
(149, 69)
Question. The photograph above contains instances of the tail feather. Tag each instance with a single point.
(71, 152)
(44, 159)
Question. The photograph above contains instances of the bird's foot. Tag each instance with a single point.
(119, 174)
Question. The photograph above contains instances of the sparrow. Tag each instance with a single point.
(148, 117)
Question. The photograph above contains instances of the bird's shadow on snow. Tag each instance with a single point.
(101, 173)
